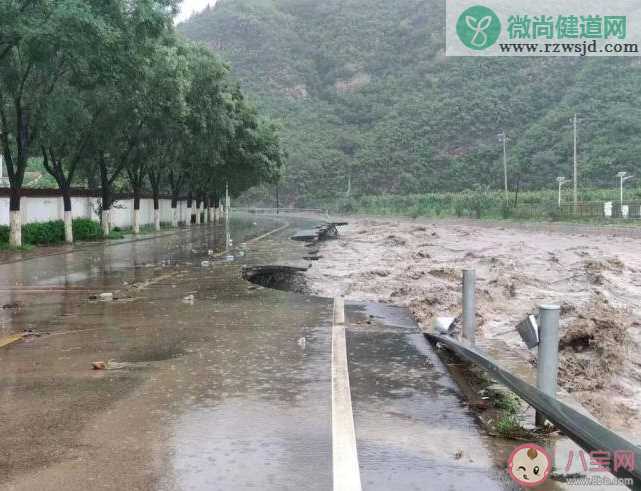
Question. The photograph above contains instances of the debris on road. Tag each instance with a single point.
(11, 306)
(30, 333)
(10, 340)
(117, 365)
(189, 299)
(321, 232)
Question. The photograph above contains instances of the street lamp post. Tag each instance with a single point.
(623, 177)
(503, 138)
(561, 181)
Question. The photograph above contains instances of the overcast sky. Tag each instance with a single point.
(189, 7)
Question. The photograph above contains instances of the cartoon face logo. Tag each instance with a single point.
(529, 465)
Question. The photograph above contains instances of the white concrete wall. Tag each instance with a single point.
(43, 209)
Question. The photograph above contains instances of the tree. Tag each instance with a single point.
(165, 112)
(118, 133)
(254, 154)
(107, 85)
(64, 143)
(210, 124)
(46, 41)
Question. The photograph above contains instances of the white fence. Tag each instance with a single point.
(45, 208)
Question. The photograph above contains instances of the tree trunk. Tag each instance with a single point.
(174, 212)
(56, 169)
(156, 212)
(66, 199)
(217, 208)
(105, 218)
(15, 218)
(189, 203)
(197, 212)
(136, 216)
(105, 214)
(205, 211)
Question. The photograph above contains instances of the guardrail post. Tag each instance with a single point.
(469, 305)
(548, 357)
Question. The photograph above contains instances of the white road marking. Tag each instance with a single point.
(346, 471)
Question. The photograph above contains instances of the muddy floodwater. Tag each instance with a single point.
(594, 276)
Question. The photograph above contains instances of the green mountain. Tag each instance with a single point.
(364, 90)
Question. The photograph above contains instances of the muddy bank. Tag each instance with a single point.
(596, 279)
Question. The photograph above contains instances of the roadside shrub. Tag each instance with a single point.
(86, 229)
(116, 234)
(459, 208)
(53, 232)
(44, 233)
(345, 205)
(553, 213)
(507, 211)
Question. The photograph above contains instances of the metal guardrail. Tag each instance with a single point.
(586, 432)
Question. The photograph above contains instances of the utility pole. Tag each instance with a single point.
(623, 177)
(503, 139)
(576, 178)
(561, 181)
(227, 206)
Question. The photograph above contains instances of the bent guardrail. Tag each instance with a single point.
(586, 432)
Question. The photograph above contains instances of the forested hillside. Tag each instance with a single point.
(363, 89)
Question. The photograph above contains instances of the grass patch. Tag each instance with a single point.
(116, 234)
(508, 403)
(5, 247)
(509, 426)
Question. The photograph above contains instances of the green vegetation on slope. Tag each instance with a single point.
(364, 90)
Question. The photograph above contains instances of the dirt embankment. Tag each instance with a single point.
(597, 280)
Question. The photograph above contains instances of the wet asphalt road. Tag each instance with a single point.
(228, 391)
